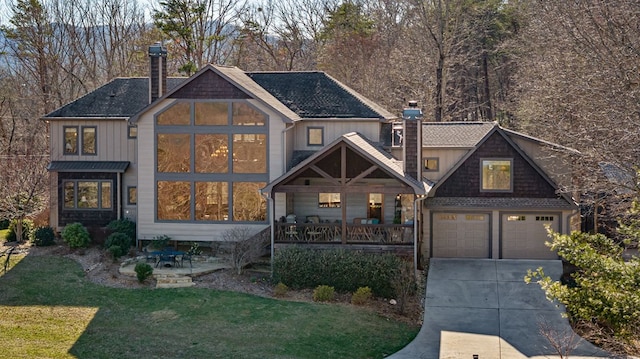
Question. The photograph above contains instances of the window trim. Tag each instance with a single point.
(309, 129)
(482, 161)
(64, 140)
(330, 204)
(424, 162)
(129, 202)
(192, 176)
(76, 199)
(132, 136)
(95, 141)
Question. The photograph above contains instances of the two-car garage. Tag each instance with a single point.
(469, 235)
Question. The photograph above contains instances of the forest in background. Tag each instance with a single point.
(566, 72)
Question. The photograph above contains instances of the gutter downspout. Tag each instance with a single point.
(415, 232)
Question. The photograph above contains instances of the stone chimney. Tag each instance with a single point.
(412, 141)
(157, 71)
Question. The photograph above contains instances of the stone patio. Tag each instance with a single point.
(176, 276)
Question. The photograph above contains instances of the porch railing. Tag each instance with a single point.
(332, 233)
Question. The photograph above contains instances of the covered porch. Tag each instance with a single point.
(349, 194)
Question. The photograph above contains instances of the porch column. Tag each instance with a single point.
(343, 204)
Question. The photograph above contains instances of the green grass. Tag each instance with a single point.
(49, 309)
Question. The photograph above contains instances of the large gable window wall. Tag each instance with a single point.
(211, 161)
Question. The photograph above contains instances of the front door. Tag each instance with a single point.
(375, 206)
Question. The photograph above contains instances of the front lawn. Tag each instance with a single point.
(49, 309)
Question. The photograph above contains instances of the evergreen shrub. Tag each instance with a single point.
(76, 235)
(345, 270)
(43, 236)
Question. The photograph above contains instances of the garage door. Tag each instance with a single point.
(523, 235)
(460, 235)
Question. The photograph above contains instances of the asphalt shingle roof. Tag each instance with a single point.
(88, 166)
(454, 134)
(316, 95)
(119, 98)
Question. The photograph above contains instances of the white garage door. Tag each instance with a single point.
(460, 235)
(523, 235)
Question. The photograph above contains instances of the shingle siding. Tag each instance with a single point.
(89, 218)
(209, 85)
(465, 181)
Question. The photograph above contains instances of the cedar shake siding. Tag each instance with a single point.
(88, 217)
(210, 85)
(465, 181)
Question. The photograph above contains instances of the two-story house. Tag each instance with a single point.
(304, 157)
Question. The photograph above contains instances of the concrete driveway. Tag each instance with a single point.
(483, 307)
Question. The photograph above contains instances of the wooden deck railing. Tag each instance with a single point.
(332, 233)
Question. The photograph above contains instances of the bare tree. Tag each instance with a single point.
(200, 30)
(579, 85)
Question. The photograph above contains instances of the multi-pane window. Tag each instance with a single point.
(71, 140)
(315, 136)
(497, 175)
(87, 194)
(211, 161)
(89, 140)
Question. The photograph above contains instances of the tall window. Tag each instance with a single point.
(89, 140)
(211, 161)
(497, 175)
(81, 194)
(71, 140)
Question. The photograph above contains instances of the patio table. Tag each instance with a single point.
(168, 256)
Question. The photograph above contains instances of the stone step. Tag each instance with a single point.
(173, 281)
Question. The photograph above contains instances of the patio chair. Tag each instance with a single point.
(186, 257)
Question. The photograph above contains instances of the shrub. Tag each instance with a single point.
(115, 252)
(4, 224)
(120, 240)
(404, 284)
(246, 248)
(361, 296)
(280, 290)
(125, 226)
(76, 235)
(143, 271)
(27, 228)
(345, 270)
(323, 293)
(195, 249)
(160, 242)
(43, 236)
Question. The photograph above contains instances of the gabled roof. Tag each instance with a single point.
(364, 148)
(88, 166)
(119, 98)
(314, 94)
(497, 129)
(455, 134)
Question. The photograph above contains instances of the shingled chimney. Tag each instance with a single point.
(157, 71)
(412, 142)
